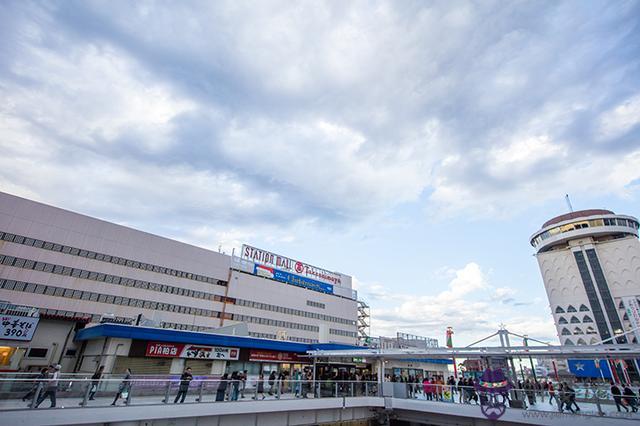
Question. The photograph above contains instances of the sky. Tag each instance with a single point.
(415, 146)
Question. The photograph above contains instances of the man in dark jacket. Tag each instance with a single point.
(185, 379)
(617, 396)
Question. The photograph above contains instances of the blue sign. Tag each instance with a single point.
(292, 279)
(589, 368)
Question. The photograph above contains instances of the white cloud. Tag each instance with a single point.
(470, 304)
(618, 120)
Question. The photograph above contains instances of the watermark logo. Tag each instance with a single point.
(493, 388)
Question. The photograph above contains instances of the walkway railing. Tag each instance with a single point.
(20, 393)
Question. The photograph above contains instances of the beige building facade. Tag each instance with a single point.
(78, 270)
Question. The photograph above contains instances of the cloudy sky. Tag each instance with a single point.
(413, 145)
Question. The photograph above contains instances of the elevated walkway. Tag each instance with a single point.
(298, 412)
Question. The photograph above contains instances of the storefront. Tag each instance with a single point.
(157, 351)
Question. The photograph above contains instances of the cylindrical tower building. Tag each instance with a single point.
(590, 264)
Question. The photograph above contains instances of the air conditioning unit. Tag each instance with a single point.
(281, 335)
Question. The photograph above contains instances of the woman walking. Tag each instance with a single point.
(124, 388)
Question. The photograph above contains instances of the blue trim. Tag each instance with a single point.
(179, 336)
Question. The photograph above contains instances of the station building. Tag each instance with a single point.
(78, 271)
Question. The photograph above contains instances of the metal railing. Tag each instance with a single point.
(80, 391)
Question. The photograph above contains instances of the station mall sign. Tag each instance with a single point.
(290, 266)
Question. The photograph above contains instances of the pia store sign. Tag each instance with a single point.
(180, 350)
(289, 265)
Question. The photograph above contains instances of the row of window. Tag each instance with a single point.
(46, 245)
(316, 304)
(577, 330)
(570, 308)
(130, 282)
(289, 338)
(274, 323)
(574, 320)
(584, 224)
(291, 311)
(342, 332)
(593, 341)
(90, 296)
(101, 277)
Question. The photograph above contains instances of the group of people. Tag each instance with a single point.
(625, 397)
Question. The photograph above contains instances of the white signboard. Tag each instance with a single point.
(632, 307)
(289, 265)
(15, 327)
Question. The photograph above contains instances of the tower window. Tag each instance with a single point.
(559, 310)
(575, 320)
(583, 308)
(571, 309)
(562, 320)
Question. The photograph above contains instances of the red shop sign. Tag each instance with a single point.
(169, 350)
(274, 356)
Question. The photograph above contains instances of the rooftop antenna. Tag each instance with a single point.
(566, 198)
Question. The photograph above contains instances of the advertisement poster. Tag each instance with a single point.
(180, 350)
(15, 327)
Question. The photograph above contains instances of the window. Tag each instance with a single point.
(587, 318)
(584, 308)
(559, 310)
(581, 342)
(37, 353)
(575, 320)
(591, 330)
(571, 309)
(577, 330)
(568, 342)
(566, 332)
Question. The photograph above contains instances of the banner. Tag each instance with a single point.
(285, 277)
(15, 327)
(632, 307)
(589, 368)
(290, 266)
(273, 356)
(180, 350)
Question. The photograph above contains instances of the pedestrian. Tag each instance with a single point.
(243, 382)
(37, 384)
(95, 381)
(260, 387)
(552, 393)
(124, 388)
(617, 396)
(51, 386)
(272, 382)
(630, 398)
(428, 389)
(308, 382)
(235, 386)
(222, 387)
(462, 397)
(185, 380)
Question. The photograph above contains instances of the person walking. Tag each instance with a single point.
(185, 380)
(51, 386)
(235, 386)
(552, 393)
(243, 382)
(630, 398)
(95, 381)
(272, 382)
(37, 384)
(222, 387)
(617, 396)
(260, 387)
(124, 388)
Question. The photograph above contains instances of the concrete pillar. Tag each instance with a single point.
(218, 367)
(380, 371)
(177, 366)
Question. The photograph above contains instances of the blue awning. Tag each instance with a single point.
(197, 338)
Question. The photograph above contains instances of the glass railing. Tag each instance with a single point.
(66, 392)
(580, 399)
(73, 391)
